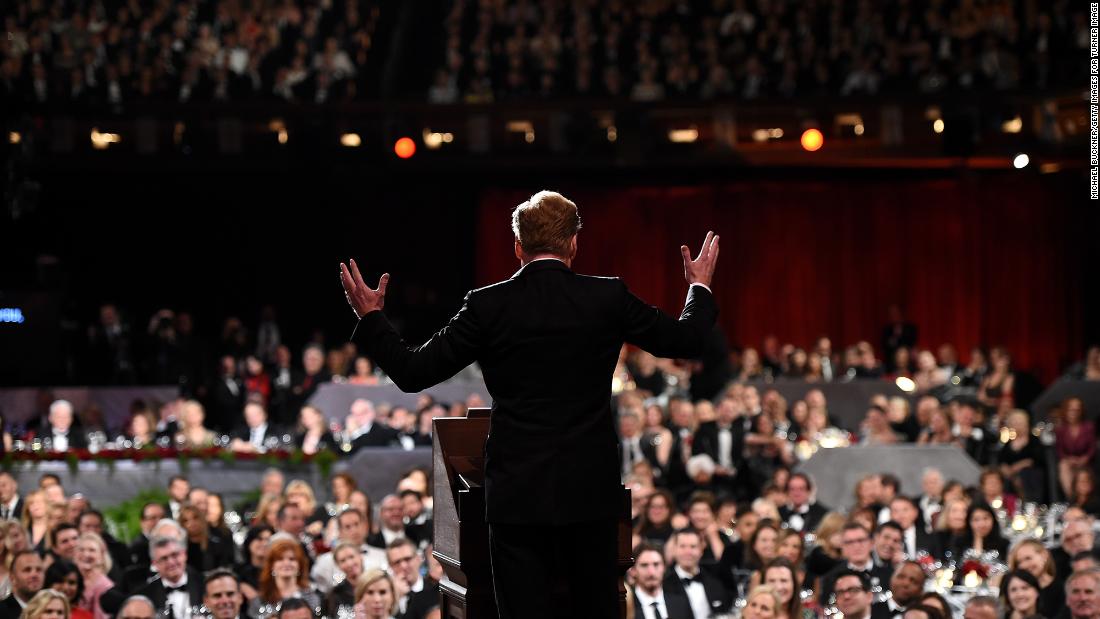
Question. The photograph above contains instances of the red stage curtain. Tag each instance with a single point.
(973, 261)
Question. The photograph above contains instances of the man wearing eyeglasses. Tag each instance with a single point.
(853, 595)
(856, 550)
(416, 595)
(178, 588)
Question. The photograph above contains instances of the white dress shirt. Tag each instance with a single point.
(179, 601)
(256, 436)
(725, 448)
(697, 595)
(647, 601)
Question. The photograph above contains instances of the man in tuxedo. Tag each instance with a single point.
(888, 541)
(416, 595)
(391, 526)
(27, 575)
(652, 598)
(227, 395)
(724, 441)
(855, 549)
(256, 430)
(906, 586)
(179, 488)
(904, 511)
(11, 504)
(552, 470)
(367, 431)
(704, 592)
(222, 594)
(178, 587)
(981, 607)
(136, 607)
(151, 514)
(802, 512)
(59, 428)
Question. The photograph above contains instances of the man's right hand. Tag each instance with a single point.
(360, 297)
(701, 270)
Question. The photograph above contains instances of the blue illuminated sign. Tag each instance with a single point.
(12, 315)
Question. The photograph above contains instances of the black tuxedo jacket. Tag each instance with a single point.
(378, 436)
(244, 433)
(16, 511)
(155, 590)
(422, 601)
(810, 519)
(676, 603)
(547, 341)
(706, 442)
(881, 610)
(719, 597)
(10, 608)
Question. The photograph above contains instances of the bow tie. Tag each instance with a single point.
(801, 511)
(687, 580)
(180, 589)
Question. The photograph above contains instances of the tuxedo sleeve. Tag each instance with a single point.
(414, 369)
(664, 336)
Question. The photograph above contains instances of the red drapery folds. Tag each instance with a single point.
(973, 261)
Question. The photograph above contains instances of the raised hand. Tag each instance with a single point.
(701, 270)
(360, 297)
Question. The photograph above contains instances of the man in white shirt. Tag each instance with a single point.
(650, 601)
(178, 588)
(630, 432)
(60, 430)
(352, 528)
(392, 514)
(252, 437)
(222, 595)
(915, 539)
(178, 490)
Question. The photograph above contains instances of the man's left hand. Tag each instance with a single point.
(362, 299)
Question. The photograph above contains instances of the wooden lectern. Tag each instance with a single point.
(461, 535)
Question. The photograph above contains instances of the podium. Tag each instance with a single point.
(461, 535)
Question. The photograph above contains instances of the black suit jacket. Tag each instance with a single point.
(810, 519)
(16, 511)
(719, 597)
(422, 601)
(9, 608)
(244, 433)
(676, 603)
(378, 436)
(547, 341)
(155, 590)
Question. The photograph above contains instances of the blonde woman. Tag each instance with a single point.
(1032, 557)
(94, 562)
(47, 604)
(193, 434)
(951, 524)
(301, 494)
(762, 603)
(375, 596)
(36, 520)
(825, 555)
(7, 552)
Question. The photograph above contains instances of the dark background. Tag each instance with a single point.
(974, 257)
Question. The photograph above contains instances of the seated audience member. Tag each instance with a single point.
(285, 575)
(256, 435)
(176, 588)
(853, 594)
(980, 607)
(64, 577)
(341, 598)
(1032, 557)
(47, 604)
(1077, 537)
(1084, 493)
(802, 512)
(906, 586)
(59, 428)
(353, 528)
(1020, 593)
(376, 595)
(192, 433)
(206, 548)
(1022, 460)
(136, 607)
(705, 593)
(782, 576)
(888, 545)
(222, 594)
(856, 551)
(654, 597)
(416, 595)
(313, 433)
(1083, 594)
(762, 603)
(983, 532)
(951, 527)
(26, 575)
(655, 521)
(253, 554)
(94, 562)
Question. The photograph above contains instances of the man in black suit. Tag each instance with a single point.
(724, 441)
(27, 576)
(11, 504)
(856, 550)
(551, 463)
(177, 587)
(802, 513)
(59, 428)
(853, 594)
(253, 435)
(634, 446)
(705, 594)
(391, 525)
(222, 594)
(416, 594)
(904, 511)
(227, 396)
(906, 586)
(365, 429)
(653, 599)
